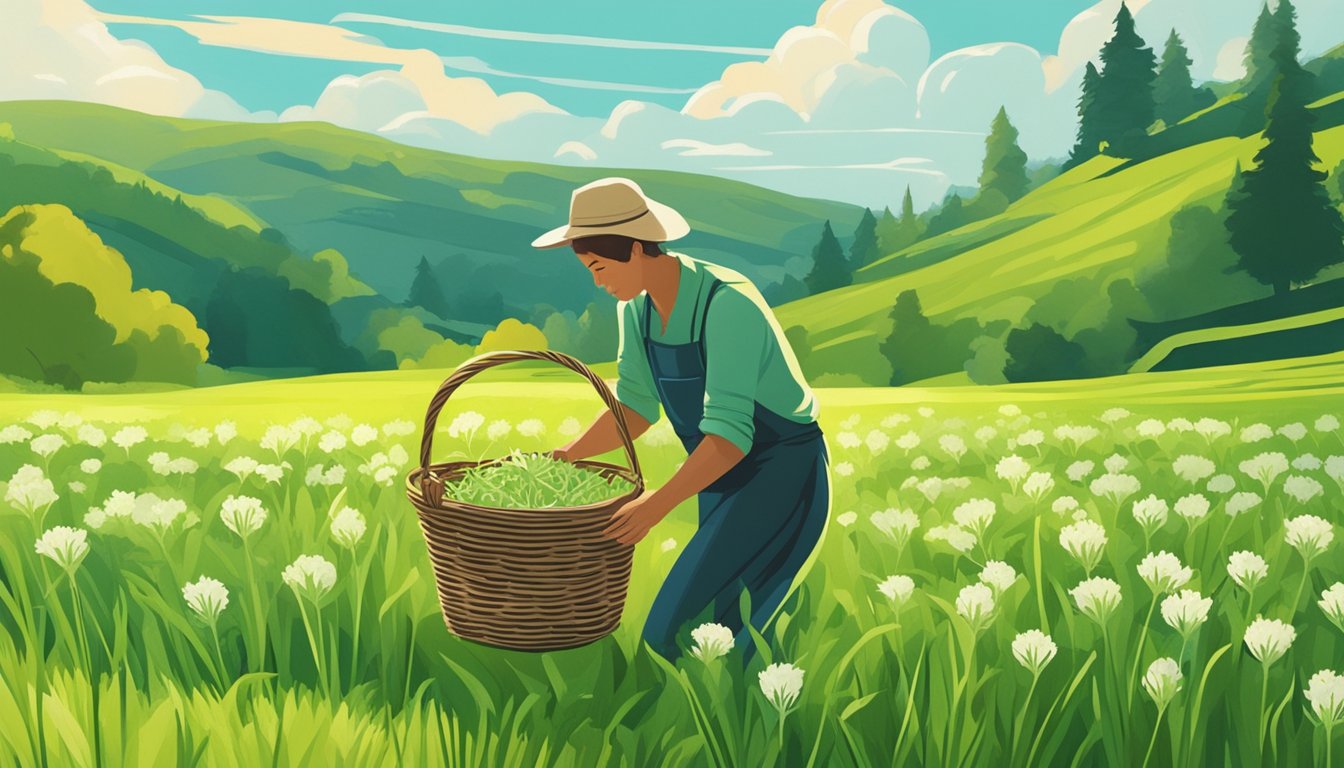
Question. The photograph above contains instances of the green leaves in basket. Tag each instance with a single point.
(533, 481)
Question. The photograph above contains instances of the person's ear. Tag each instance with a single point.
(636, 249)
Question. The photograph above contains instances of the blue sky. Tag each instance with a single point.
(263, 81)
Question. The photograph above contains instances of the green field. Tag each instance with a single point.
(368, 674)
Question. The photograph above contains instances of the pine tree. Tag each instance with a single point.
(1258, 49)
(425, 290)
(1174, 91)
(1125, 96)
(1005, 164)
(865, 249)
(829, 269)
(1089, 138)
(888, 232)
(1281, 222)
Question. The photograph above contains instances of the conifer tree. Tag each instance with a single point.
(865, 249)
(1258, 49)
(1281, 222)
(425, 290)
(888, 231)
(1005, 165)
(1174, 93)
(1125, 96)
(1088, 142)
(829, 269)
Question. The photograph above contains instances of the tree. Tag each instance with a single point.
(906, 343)
(512, 334)
(1282, 223)
(1258, 48)
(949, 217)
(865, 249)
(829, 269)
(1005, 164)
(425, 290)
(1088, 142)
(1125, 96)
(1174, 93)
(889, 230)
(1040, 353)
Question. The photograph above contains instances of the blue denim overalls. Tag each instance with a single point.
(759, 522)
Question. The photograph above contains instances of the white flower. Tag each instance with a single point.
(43, 418)
(975, 603)
(711, 641)
(1212, 429)
(1162, 681)
(1240, 502)
(1012, 468)
(1327, 423)
(781, 684)
(347, 527)
(14, 433)
(154, 512)
(66, 545)
(120, 504)
(1256, 432)
(908, 441)
(844, 469)
(466, 423)
(930, 487)
(1192, 469)
(363, 434)
(331, 441)
(1010, 410)
(279, 439)
(897, 588)
(1038, 484)
(30, 490)
(305, 426)
(919, 463)
(242, 466)
(1034, 649)
(975, 515)
(1115, 462)
(847, 519)
(1269, 639)
(77, 486)
(1151, 428)
(1193, 507)
(199, 438)
(1265, 467)
(896, 523)
(850, 421)
(998, 575)
(531, 427)
(1151, 513)
(953, 445)
(1085, 540)
(1115, 487)
(877, 441)
(272, 473)
(1163, 572)
(1325, 693)
(1309, 535)
(1078, 435)
(498, 428)
(1295, 431)
(128, 437)
(924, 411)
(242, 514)
(207, 597)
(311, 576)
(398, 428)
(1220, 484)
(668, 545)
(225, 431)
(1247, 569)
(1334, 467)
(569, 427)
(957, 537)
(397, 457)
(1112, 415)
(46, 445)
(1064, 504)
(848, 440)
(1302, 488)
(1332, 603)
(1186, 610)
(1079, 469)
(894, 419)
(1307, 462)
(95, 517)
(1097, 597)
(1180, 424)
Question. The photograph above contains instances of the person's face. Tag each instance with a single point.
(622, 279)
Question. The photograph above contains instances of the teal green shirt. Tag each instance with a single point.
(747, 357)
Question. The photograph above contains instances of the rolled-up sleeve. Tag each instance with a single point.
(634, 387)
(736, 333)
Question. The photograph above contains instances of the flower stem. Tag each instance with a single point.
(1138, 654)
(1153, 740)
(1264, 691)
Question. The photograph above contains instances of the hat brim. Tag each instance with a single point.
(661, 225)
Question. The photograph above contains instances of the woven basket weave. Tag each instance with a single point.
(523, 579)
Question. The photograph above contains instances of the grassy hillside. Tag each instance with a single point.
(1104, 218)
(383, 204)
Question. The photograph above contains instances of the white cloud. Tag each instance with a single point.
(59, 49)
(696, 148)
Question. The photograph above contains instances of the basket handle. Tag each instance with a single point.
(431, 486)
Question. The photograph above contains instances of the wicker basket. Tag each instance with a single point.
(523, 579)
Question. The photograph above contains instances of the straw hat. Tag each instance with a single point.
(615, 206)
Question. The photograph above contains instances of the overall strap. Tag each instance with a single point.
(704, 317)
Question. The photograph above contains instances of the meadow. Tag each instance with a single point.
(1129, 571)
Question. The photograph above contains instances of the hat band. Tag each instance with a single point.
(614, 223)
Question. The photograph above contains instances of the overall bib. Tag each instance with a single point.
(759, 522)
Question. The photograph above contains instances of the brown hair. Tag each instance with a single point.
(614, 247)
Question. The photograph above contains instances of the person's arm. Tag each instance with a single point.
(603, 436)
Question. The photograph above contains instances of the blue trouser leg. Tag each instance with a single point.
(756, 538)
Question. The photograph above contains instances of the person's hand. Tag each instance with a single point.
(632, 521)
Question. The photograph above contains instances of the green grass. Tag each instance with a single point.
(366, 674)
(533, 480)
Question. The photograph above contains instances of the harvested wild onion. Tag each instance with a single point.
(533, 481)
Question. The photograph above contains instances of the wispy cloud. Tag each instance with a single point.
(477, 66)
(900, 164)
(810, 131)
(546, 38)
